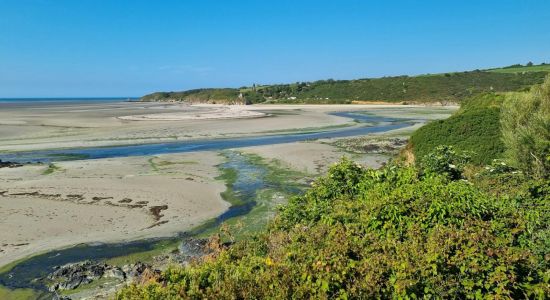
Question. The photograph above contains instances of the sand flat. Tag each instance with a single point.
(91, 125)
(105, 200)
(314, 157)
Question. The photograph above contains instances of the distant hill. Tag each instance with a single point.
(443, 88)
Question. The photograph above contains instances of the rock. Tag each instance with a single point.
(71, 276)
(53, 287)
(59, 297)
(9, 164)
(193, 247)
(134, 271)
(71, 284)
(114, 272)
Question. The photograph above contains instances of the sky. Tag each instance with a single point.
(104, 48)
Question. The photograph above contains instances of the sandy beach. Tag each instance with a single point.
(46, 207)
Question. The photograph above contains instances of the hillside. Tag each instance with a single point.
(197, 95)
(436, 88)
(441, 229)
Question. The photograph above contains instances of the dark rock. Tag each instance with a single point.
(134, 271)
(9, 164)
(71, 284)
(193, 247)
(60, 297)
(71, 276)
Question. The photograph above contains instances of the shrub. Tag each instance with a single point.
(525, 122)
(445, 161)
(389, 233)
(474, 128)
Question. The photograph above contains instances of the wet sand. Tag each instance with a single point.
(105, 200)
(35, 127)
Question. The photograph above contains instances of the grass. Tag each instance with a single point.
(86, 287)
(519, 69)
(203, 95)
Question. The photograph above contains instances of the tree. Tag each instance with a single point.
(530, 64)
(525, 123)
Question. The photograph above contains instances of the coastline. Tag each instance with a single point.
(90, 197)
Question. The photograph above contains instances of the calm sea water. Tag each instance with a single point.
(66, 100)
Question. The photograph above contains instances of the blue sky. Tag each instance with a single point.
(64, 48)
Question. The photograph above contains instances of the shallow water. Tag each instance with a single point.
(368, 124)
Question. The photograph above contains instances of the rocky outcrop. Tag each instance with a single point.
(71, 276)
(74, 275)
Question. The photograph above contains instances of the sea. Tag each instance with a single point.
(68, 100)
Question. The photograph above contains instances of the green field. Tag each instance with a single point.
(520, 69)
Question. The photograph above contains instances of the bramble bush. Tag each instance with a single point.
(444, 160)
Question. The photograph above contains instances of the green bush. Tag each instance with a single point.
(526, 129)
(391, 233)
(445, 161)
(475, 128)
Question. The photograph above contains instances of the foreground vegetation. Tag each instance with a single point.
(448, 87)
(442, 228)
